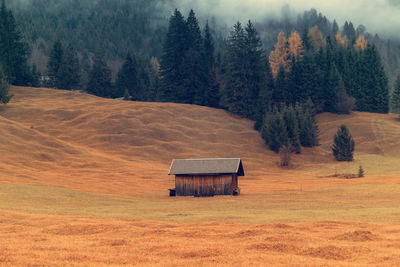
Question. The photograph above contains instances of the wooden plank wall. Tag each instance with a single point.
(203, 185)
(234, 182)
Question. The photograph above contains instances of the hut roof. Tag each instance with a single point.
(206, 166)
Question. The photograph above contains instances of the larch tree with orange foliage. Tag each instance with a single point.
(285, 50)
(280, 56)
(296, 48)
(341, 40)
(361, 43)
(316, 38)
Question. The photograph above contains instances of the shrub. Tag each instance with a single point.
(361, 172)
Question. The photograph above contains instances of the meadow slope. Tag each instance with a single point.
(83, 180)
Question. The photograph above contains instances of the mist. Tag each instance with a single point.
(378, 16)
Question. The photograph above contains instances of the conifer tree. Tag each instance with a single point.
(302, 79)
(255, 69)
(395, 99)
(316, 40)
(296, 48)
(343, 145)
(53, 64)
(280, 90)
(349, 31)
(134, 78)
(172, 69)
(213, 94)
(99, 78)
(275, 131)
(290, 118)
(335, 28)
(69, 71)
(196, 73)
(126, 82)
(308, 128)
(13, 50)
(264, 101)
(4, 85)
(235, 79)
(371, 86)
(280, 56)
(361, 43)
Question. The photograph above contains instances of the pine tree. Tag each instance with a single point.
(99, 78)
(53, 64)
(275, 131)
(395, 99)
(172, 69)
(290, 118)
(127, 77)
(69, 71)
(280, 90)
(134, 77)
(371, 85)
(349, 31)
(213, 94)
(196, 73)
(255, 69)
(235, 78)
(302, 79)
(209, 48)
(13, 50)
(4, 85)
(334, 81)
(343, 145)
(308, 128)
(264, 100)
(335, 28)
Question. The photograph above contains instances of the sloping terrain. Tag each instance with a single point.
(83, 180)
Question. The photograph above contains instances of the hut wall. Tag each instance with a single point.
(203, 185)
(234, 182)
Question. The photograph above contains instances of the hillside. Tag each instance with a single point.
(94, 142)
(84, 181)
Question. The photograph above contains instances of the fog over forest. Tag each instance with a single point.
(379, 16)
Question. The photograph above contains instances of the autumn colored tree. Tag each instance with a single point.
(316, 39)
(280, 56)
(361, 43)
(296, 48)
(285, 51)
(341, 40)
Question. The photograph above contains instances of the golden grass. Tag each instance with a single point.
(68, 240)
(83, 181)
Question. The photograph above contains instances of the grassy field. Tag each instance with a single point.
(83, 181)
(364, 202)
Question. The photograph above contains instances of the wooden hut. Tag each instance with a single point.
(206, 177)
